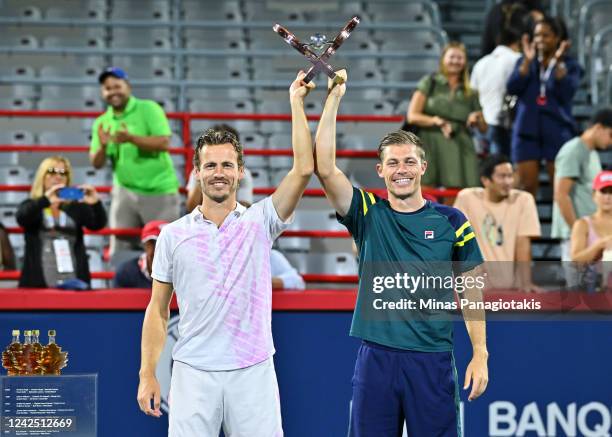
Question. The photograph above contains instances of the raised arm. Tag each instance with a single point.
(338, 188)
(154, 330)
(291, 188)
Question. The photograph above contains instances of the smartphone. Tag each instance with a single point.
(71, 193)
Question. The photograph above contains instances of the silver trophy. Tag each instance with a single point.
(319, 42)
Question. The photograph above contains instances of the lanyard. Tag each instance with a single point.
(544, 76)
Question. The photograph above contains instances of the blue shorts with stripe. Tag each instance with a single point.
(392, 386)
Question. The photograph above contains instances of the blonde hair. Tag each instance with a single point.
(465, 75)
(38, 186)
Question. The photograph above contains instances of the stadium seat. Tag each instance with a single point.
(72, 71)
(92, 176)
(371, 108)
(226, 10)
(16, 137)
(256, 162)
(24, 71)
(199, 126)
(66, 41)
(27, 12)
(96, 264)
(159, 39)
(234, 93)
(238, 106)
(89, 11)
(51, 138)
(70, 91)
(343, 263)
(13, 175)
(153, 10)
(74, 104)
(261, 178)
(256, 11)
(253, 140)
(358, 142)
(22, 41)
(16, 103)
(8, 217)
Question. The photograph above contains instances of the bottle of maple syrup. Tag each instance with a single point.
(53, 359)
(25, 359)
(12, 354)
(37, 350)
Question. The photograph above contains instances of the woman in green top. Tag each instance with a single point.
(444, 111)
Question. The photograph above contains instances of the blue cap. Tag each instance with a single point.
(112, 71)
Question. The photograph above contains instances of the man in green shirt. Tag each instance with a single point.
(576, 165)
(405, 367)
(134, 135)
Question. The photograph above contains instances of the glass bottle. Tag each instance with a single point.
(12, 354)
(53, 359)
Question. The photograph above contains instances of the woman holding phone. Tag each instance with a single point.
(53, 218)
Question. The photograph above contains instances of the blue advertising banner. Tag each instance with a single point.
(48, 406)
(547, 378)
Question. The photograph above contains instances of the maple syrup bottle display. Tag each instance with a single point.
(53, 360)
(11, 355)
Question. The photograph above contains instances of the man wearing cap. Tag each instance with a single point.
(136, 272)
(135, 135)
(576, 166)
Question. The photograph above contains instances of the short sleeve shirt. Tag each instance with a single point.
(577, 162)
(223, 285)
(141, 171)
(386, 238)
(497, 225)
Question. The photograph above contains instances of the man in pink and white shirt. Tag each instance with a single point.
(217, 259)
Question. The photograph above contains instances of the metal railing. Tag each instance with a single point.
(585, 12)
(596, 67)
(609, 86)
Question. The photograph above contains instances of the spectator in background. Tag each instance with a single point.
(7, 256)
(135, 135)
(136, 272)
(54, 249)
(284, 276)
(496, 17)
(444, 112)
(245, 189)
(544, 80)
(490, 75)
(504, 221)
(592, 234)
(576, 166)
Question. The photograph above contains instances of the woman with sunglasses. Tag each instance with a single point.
(53, 218)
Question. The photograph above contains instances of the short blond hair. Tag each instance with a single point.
(401, 137)
(38, 186)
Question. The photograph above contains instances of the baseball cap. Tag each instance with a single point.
(151, 230)
(602, 180)
(112, 71)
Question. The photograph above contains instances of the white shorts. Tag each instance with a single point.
(245, 402)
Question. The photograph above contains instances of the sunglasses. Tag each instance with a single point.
(59, 171)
